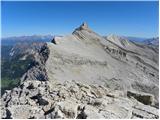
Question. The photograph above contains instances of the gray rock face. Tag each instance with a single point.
(37, 99)
(84, 75)
(113, 62)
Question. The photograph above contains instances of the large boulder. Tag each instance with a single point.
(145, 98)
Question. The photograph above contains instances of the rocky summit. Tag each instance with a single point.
(85, 76)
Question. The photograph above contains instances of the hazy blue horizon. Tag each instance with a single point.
(135, 19)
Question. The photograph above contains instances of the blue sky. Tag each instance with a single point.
(138, 19)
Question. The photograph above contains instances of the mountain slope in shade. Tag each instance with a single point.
(101, 77)
(15, 61)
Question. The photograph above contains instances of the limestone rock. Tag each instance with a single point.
(18, 104)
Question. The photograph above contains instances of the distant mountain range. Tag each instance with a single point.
(28, 39)
(147, 41)
(48, 38)
(136, 39)
(152, 41)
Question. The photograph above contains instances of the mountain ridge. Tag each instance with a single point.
(93, 73)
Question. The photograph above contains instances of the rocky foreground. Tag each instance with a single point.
(74, 100)
(84, 75)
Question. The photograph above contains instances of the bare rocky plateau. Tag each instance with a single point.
(85, 76)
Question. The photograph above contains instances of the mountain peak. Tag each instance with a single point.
(119, 40)
(83, 26)
(114, 36)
